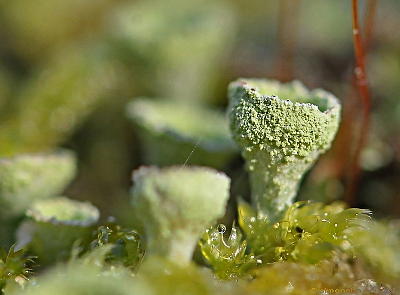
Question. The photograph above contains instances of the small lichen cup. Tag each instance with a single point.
(26, 178)
(172, 132)
(175, 205)
(56, 224)
(281, 129)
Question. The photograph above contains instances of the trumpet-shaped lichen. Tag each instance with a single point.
(57, 224)
(176, 204)
(170, 131)
(280, 139)
(27, 178)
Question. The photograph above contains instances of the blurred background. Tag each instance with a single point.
(68, 70)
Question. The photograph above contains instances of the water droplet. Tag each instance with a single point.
(221, 228)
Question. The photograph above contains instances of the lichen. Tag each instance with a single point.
(27, 178)
(279, 139)
(176, 204)
(56, 224)
(172, 132)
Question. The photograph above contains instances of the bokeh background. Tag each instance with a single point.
(69, 68)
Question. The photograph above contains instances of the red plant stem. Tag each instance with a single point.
(364, 94)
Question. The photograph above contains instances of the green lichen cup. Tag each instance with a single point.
(56, 224)
(173, 132)
(174, 48)
(175, 205)
(281, 129)
(27, 178)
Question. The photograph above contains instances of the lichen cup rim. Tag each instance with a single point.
(72, 212)
(325, 101)
(163, 118)
(61, 152)
(29, 177)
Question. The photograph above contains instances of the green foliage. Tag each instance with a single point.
(309, 232)
(14, 267)
(227, 257)
(127, 249)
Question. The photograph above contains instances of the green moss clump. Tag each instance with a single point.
(308, 232)
(14, 268)
(229, 258)
(127, 248)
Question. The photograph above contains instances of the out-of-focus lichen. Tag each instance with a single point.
(175, 133)
(280, 137)
(229, 258)
(127, 249)
(87, 275)
(27, 178)
(57, 224)
(173, 52)
(175, 205)
(174, 278)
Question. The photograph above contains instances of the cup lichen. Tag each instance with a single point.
(169, 131)
(176, 204)
(27, 178)
(57, 223)
(280, 139)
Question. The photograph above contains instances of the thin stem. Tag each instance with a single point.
(364, 94)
